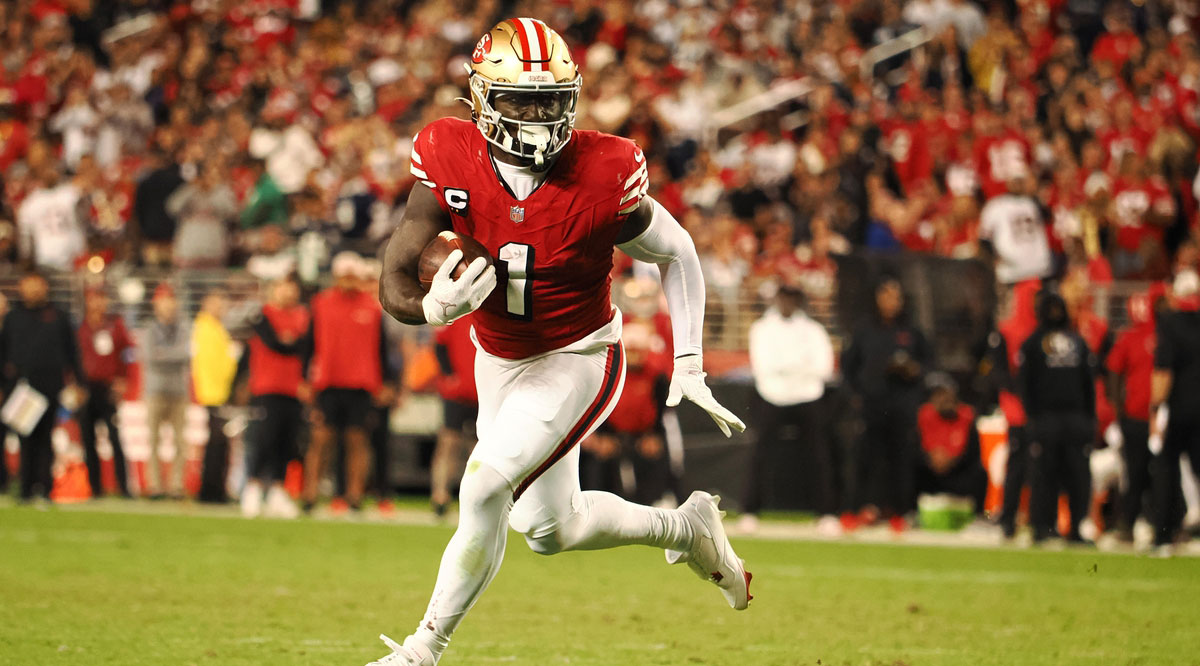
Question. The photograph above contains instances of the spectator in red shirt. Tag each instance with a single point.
(460, 407)
(1120, 44)
(1132, 364)
(949, 444)
(274, 363)
(347, 372)
(104, 346)
(1125, 136)
(1001, 154)
(1142, 207)
(908, 145)
(14, 137)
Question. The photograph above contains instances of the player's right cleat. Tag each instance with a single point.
(712, 557)
(411, 653)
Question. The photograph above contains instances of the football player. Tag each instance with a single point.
(549, 203)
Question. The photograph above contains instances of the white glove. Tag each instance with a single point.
(448, 299)
(688, 382)
(1158, 426)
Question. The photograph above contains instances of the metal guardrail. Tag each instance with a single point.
(726, 323)
(131, 291)
(891, 48)
(779, 93)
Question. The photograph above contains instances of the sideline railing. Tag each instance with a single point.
(727, 319)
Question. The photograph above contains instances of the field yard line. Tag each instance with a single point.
(975, 577)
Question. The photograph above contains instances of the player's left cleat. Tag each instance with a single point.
(409, 654)
(712, 557)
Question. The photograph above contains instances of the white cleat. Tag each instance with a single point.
(252, 500)
(409, 654)
(712, 556)
(279, 505)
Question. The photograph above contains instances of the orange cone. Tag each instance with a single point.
(293, 480)
(72, 485)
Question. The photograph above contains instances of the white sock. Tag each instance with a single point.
(603, 520)
(472, 557)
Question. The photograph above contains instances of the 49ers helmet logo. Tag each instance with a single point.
(482, 48)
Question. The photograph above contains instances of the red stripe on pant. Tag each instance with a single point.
(608, 392)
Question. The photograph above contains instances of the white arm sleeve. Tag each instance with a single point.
(667, 244)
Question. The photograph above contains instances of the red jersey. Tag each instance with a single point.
(908, 145)
(347, 341)
(637, 410)
(1116, 47)
(102, 350)
(459, 385)
(1117, 142)
(940, 434)
(1132, 202)
(1132, 358)
(554, 249)
(273, 373)
(999, 159)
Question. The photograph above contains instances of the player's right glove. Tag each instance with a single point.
(448, 299)
(688, 382)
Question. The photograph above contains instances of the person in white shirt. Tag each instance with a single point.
(791, 358)
(1013, 224)
(290, 152)
(77, 122)
(50, 228)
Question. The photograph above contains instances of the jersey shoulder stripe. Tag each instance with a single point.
(611, 155)
(443, 141)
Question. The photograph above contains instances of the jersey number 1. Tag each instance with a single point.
(515, 272)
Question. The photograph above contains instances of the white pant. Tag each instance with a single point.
(533, 413)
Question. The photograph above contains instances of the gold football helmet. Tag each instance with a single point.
(524, 58)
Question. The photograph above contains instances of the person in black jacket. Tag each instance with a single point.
(37, 346)
(884, 365)
(1057, 382)
(152, 225)
(993, 383)
(1175, 384)
(3, 427)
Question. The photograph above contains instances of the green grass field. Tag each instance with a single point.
(88, 587)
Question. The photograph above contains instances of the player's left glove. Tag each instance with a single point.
(688, 382)
(448, 298)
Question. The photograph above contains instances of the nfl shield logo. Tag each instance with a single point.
(516, 214)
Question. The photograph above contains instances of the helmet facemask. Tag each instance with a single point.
(537, 140)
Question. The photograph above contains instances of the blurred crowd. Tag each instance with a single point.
(209, 133)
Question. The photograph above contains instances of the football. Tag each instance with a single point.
(435, 253)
